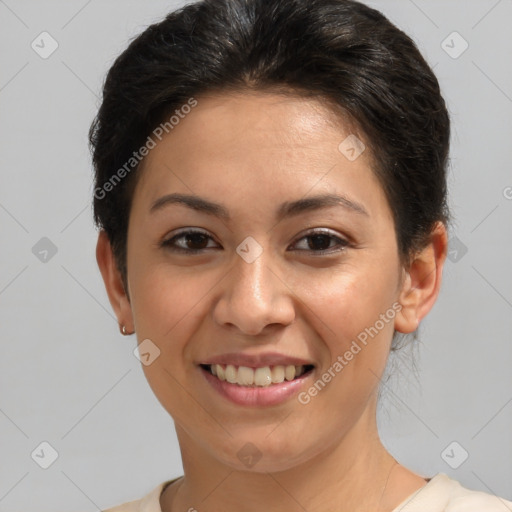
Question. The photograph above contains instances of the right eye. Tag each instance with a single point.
(188, 238)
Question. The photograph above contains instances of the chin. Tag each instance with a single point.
(259, 455)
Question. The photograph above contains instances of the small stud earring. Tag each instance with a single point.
(123, 331)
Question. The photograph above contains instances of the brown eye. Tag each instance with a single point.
(320, 242)
(190, 241)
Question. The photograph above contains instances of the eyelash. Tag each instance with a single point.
(168, 243)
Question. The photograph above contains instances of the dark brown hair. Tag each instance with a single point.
(340, 51)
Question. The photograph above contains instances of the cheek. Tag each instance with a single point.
(344, 302)
(339, 303)
(162, 297)
(345, 311)
(169, 305)
(167, 308)
(347, 317)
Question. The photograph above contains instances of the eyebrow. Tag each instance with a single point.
(285, 210)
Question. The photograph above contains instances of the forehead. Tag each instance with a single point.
(259, 145)
(272, 119)
(250, 125)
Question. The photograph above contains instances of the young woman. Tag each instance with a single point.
(271, 192)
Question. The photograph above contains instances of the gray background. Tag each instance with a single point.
(69, 378)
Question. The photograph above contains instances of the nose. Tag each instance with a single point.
(254, 297)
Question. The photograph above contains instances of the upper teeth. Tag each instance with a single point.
(265, 376)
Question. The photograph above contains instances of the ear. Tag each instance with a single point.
(422, 281)
(113, 282)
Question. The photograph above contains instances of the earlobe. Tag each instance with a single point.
(422, 281)
(113, 281)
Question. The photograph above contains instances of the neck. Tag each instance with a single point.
(349, 475)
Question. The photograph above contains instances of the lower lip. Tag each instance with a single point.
(256, 395)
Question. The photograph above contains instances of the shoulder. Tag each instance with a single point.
(444, 494)
(466, 500)
(132, 506)
(149, 503)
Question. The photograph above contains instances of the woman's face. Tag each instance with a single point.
(283, 272)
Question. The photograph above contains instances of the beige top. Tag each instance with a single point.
(440, 494)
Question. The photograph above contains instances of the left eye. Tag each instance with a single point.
(319, 242)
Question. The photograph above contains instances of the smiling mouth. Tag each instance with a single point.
(257, 377)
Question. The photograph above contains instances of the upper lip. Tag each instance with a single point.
(257, 360)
